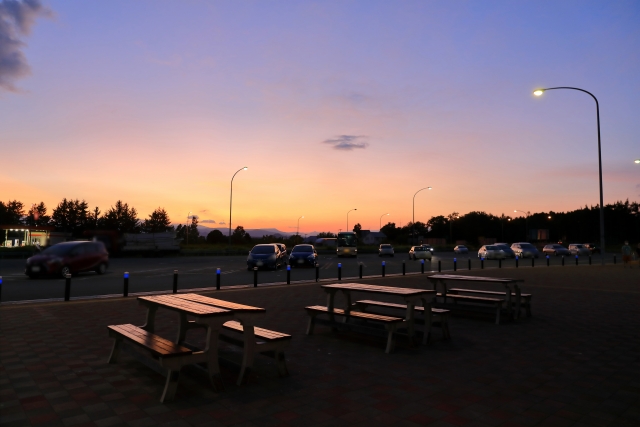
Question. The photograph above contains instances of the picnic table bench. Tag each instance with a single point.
(242, 332)
(512, 294)
(439, 316)
(390, 323)
(172, 356)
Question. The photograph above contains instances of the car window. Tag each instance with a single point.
(304, 248)
(266, 249)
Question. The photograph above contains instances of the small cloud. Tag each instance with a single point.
(347, 142)
(208, 221)
(204, 211)
(16, 20)
(222, 223)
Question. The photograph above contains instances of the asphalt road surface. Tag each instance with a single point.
(156, 274)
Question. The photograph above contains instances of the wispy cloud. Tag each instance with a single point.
(16, 20)
(208, 221)
(222, 223)
(204, 211)
(193, 216)
(347, 142)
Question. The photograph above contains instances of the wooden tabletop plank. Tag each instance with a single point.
(182, 305)
(472, 278)
(388, 290)
(228, 305)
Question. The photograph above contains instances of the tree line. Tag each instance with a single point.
(75, 217)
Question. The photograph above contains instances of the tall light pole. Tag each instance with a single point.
(539, 92)
(526, 222)
(298, 228)
(413, 216)
(231, 201)
(381, 221)
(187, 230)
(348, 218)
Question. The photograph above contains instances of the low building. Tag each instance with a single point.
(25, 235)
(373, 237)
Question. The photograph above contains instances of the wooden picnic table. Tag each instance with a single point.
(410, 296)
(512, 289)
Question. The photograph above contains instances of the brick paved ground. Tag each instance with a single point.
(574, 363)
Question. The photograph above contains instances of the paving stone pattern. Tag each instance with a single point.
(575, 363)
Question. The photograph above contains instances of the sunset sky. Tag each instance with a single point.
(332, 105)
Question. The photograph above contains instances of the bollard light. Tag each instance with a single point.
(218, 279)
(383, 263)
(288, 268)
(126, 274)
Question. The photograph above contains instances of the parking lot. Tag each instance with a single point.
(156, 274)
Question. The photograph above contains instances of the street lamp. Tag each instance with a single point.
(348, 218)
(187, 230)
(298, 228)
(526, 227)
(381, 220)
(539, 92)
(231, 201)
(636, 161)
(413, 217)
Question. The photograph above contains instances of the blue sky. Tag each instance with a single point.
(158, 103)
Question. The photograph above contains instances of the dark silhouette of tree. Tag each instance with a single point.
(193, 232)
(216, 236)
(158, 222)
(71, 216)
(357, 229)
(37, 215)
(11, 212)
(94, 218)
(239, 235)
(121, 218)
(326, 234)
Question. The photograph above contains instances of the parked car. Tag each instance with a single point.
(525, 250)
(428, 247)
(508, 252)
(386, 250)
(283, 252)
(266, 255)
(555, 249)
(303, 255)
(419, 252)
(491, 252)
(593, 249)
(578, 249)
(461, 249)
(69, 258)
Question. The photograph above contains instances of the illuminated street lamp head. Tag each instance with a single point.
(429, 188)
(637, 161)
(538, 92)
(245, 168)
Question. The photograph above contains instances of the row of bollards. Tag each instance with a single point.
(125, 290)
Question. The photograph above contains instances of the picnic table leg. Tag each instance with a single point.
(391, 328)
(347, 308)
(183, 326)
(410, 318)
(150, 323)
(248, 333)
(518, 293)
(170, 385)
(510, 313)
(115, 351)
(331, 296)
(211, 349)
(428, 320)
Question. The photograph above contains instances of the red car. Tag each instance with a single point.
(68, 258)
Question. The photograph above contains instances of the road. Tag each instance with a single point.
(156, 274)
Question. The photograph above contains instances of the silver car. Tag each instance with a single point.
(578, 249)
(419, 252)
(491, 252)
(386, 250)
(525, 250)
(555, 249)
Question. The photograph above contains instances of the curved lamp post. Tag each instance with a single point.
(380, 221)
(298, 228)
(348, 218)
(539, 92)
(231, 201)
(413, 216)
(526, 226)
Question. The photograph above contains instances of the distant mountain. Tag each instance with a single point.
(253, 232)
